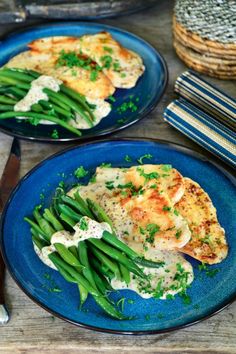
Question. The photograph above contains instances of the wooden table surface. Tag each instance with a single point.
(32, 329)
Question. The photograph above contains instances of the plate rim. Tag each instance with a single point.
(178, 147)
(110, 131)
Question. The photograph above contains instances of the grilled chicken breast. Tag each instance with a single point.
(122, 66)
(207, 243)
(77, 78)
(139, 201)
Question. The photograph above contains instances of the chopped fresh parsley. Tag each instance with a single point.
(159, 291)
(105, 165)
(146, 156)
(149, 231)
(80, 172)
(109, 185)
(166, 168)
(112, 99)
(212, 273)
(106, 61)
(178, 234)
(93, 178)
(176, 212)
(152, 229)
(55, 134)
(122, 75)
(121, 303)
(125, 106)
(147, 176)
(153, 186)
(116, 66)
(108, 49)
(128, 158)
(166, 208)
(83, 225)
(130, 301)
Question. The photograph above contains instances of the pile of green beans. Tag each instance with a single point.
(93, 263)
(60, 108)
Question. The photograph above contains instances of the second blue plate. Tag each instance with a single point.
(147, 91)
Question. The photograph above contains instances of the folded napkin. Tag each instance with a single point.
(203, 129)
(207, 97)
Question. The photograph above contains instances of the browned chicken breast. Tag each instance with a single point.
(207, 243)
(122, 66)
(77, 78)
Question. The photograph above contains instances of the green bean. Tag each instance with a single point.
(37, 228)
(73, 203)
(64, 273)
(17, 75)
(38, 242)
(106, 261)
(108, 308)
(83, 204)
(98, 282)
(8, 81)
(99, 212)
(76, 96)
(102, 268)
(125, 274)
(38, 236)
(67, 255)
(74, 250)
(69, 212)
(70, 103)
(44, 225)
(114, 241)
(23, 86)
(83, 294)
(6, 107)
(54, 99)
(117, 255)
(78, 277)
(83, 256)
(48, 215)
(16, 92)
(67, 220)
(7, 100)
(40, 116)
(51, 106)
(147, 263)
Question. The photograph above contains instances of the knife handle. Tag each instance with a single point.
(2, 273)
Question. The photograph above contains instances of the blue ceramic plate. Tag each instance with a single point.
(208, 294)
(147, 91)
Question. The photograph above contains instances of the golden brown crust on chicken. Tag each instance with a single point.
(207, 243)
(122, 66)
(78, 79)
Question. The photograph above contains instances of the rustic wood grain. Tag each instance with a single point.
(33, 330)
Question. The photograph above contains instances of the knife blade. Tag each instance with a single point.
(8, 181)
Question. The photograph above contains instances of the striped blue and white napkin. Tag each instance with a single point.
(207, 97)
(203, 129)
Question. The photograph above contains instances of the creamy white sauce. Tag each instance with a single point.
(164, 276)
(85, 229)
(102, 110)
(35, 93)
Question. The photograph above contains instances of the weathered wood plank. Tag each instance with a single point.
(33, 330)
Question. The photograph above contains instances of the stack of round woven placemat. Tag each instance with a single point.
(205, 36)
